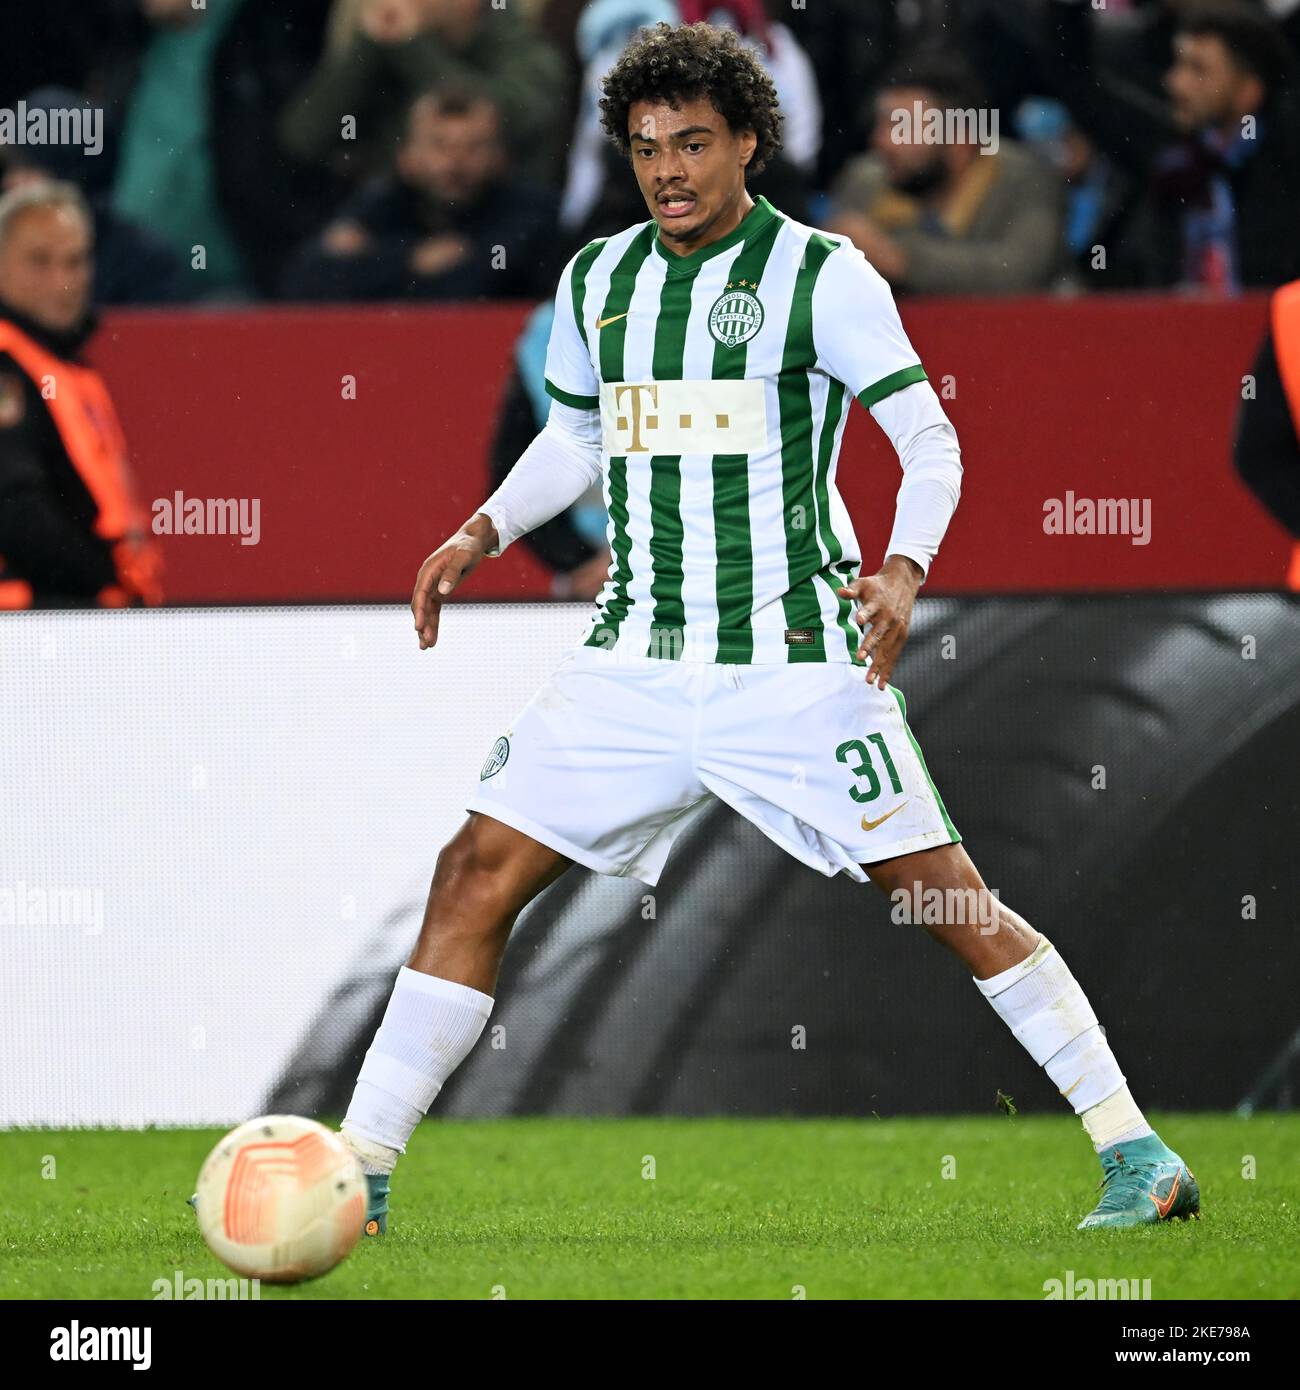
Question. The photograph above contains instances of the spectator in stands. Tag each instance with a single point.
(270, 202)
(384, 53)
(166, 174)
(70, 529)
(1234, 184)
(450, 221)
(133, 265)
(955, 215)
(1098, 195)
(1219, 162)
(851, 46)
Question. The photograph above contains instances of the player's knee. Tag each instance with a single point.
(462, 866)
(474, 866)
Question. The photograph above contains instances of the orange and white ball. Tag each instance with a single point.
(281, 1199)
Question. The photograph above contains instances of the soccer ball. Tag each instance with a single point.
(281, 1199)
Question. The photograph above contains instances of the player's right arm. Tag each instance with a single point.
(552, 473)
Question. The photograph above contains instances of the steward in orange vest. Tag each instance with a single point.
(1267, 448)
(71, 531)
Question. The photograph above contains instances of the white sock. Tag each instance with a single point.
(1041, 1002)
(428, 1029)
(375, 1158)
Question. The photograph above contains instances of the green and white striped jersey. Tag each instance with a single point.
(723, 381)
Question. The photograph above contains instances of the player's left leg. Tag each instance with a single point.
(1032, 990)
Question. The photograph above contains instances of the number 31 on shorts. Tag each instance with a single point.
(855, 749)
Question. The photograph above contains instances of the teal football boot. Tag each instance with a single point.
(1143, 1182)
(376, 1204)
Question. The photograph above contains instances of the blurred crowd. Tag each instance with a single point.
(450, 149)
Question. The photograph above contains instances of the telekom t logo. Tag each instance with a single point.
(636, 411)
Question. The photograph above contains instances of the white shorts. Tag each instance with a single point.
(616, 755)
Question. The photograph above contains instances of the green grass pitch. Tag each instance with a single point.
(688, 1208)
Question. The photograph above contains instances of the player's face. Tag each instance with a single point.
(690, 166)
(46, 268)
(1206, 87)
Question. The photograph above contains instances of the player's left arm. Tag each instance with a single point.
(927, 449)
(860, 341)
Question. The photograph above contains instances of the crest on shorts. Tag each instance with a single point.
(496, 759)
(736, 314)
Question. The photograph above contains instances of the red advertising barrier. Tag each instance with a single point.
(357, 440)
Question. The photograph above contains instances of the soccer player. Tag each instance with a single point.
(702, 364)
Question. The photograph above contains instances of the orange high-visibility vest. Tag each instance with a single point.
(1286, 348)
(83, 414)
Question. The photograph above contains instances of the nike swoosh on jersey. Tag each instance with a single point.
(613, 318)
(871, 824)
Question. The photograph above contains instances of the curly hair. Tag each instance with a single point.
(683, 62)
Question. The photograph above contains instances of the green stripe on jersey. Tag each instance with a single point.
(836, 396)
(568, 398)
(887, 385)
(668, 616)
(798, 469)
(578, 293)
(610, 346)
(605, 632)
(622, 282)
(733, 540)
(581, 266)
(853, 634)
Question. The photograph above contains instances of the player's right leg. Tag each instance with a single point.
(486, 875)
(595, 770)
